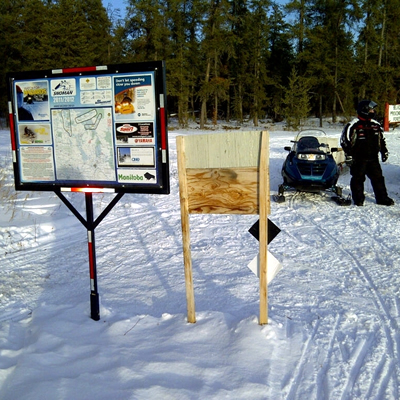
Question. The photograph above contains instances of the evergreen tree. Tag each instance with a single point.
(377, 51)
(79, 33)
(296, 100)
(183, 21)
(221, 55)
(327, 50)
(38, 35)
(11, 28)
(280, 59)
(302, 20)
(240, 61)
(96, 31)
(258, 55)
(146, 30)
(217, 43)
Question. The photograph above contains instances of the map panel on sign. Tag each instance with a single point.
(84, 144)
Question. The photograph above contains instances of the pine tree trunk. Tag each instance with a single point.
(382, 37)
(215, 112)
(334, 113)
(203, 115)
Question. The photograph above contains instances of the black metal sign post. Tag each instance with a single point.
(90, 224)
(94, 294)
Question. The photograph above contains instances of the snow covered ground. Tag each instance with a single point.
(334, 308)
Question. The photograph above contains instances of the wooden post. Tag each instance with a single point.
(263, 212)
(184, 201)
(386, 118)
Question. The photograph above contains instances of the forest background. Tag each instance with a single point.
(225, 59)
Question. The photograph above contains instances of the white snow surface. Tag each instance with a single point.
(334, 308)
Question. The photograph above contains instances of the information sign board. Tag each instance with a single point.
(92, 129)
(394, 113)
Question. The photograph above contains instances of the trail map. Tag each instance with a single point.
(84, 144)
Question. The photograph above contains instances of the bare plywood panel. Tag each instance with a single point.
(223, 150)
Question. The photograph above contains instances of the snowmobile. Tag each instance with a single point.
(311, 167)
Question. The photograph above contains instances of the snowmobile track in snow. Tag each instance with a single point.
(386, 360)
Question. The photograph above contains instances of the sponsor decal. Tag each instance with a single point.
(137, 176)
(126, 128)
(143, 140)
(63, 87)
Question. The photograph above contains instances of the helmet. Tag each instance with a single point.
(366, 109)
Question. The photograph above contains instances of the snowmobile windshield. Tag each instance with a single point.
(308, 143)
(311, 141)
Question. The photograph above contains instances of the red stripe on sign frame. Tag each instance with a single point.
(80, 69)
(12, 132)
(163, 129)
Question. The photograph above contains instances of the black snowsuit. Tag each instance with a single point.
(365, 141)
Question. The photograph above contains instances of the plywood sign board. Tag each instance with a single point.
(224, 173)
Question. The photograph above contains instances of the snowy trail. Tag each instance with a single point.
(334, 312)
(320, 223)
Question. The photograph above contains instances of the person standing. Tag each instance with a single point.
(362, 140)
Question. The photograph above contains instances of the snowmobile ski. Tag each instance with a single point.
(279, 198)
(341, 201)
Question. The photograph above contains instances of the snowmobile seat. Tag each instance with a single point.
(307, 143)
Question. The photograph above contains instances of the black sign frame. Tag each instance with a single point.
(75, 101)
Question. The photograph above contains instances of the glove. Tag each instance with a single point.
(383, 150)
(349, 160)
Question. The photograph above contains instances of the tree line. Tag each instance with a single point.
(225, 59)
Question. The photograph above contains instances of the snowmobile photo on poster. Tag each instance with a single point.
(91, 130)
(93, 127)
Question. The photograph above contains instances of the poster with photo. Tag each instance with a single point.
(34, 133)
(135, 156)
(134, 99)
(32, 100)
